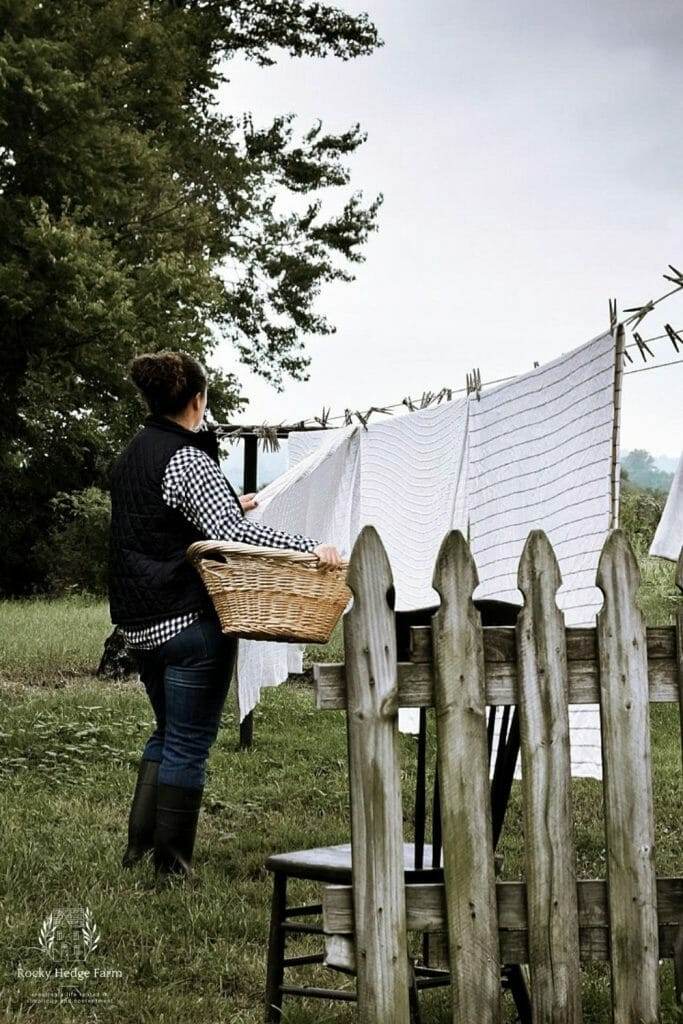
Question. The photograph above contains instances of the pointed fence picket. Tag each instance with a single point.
(460, 702)
(627, 783)
(375, 781)
(551, 922)
(546, 788)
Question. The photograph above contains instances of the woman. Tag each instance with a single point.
(167, 491)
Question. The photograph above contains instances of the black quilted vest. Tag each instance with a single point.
(149, 576)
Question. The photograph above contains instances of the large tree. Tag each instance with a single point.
(136, 215)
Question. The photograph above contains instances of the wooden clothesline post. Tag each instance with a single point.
(249, 485)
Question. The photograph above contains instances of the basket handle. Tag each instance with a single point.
(220, 548)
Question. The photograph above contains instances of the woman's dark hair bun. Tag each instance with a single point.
(168, 380)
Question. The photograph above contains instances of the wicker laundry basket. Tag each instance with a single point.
(270, 593)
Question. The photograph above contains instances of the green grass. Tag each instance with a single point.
(69, 747)
(46, 641)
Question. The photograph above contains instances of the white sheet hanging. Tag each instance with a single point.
(413, 490)
(317, 497)
(668, 538)
(536, 452)
(541, 449)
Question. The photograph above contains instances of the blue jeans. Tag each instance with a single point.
(187, 680)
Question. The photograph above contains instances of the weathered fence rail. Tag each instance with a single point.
(552, 921)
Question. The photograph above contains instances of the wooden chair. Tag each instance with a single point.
(422, 860)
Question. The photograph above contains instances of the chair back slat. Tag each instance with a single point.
(463, 759)
(375, 786)
(627, 784)
(553, 920)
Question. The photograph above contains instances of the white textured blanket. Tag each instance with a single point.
(537, 452)
(668, 539)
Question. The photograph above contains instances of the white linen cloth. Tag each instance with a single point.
(541, 453)
(320, 493)
(536, 452)
(668, 538)
(413, 491)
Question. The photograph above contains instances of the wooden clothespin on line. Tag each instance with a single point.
(613, 316)
(639, 313)
(426, 399)
(473, 383)
(677, 277)
(643, 346)
(267, 435)
(232, 435)
(363, 417)
(674, 336)
(324, 417)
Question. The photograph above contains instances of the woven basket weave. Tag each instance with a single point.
(269, 593)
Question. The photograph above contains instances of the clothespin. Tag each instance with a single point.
(323, 418)
(409, 404)
(348, 417)
(473, 383)
(267, 434)
(363, 417)
(677, 279)
(643, 346)
(674, 336)
(232, 435)
(639, 312)
(613, 320)
(627, 355)
(427, 399)
(536, 364)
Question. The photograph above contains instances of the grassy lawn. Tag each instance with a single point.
(69, 747)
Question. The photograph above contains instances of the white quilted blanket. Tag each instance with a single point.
(535, 452)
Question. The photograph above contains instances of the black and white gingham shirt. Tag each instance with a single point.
(194, 484)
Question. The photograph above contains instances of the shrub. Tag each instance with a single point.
(75, 553)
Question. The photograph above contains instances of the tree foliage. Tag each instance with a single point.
(74, 555)
(137, 215)
(641, 469)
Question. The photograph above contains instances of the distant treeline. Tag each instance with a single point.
(640, 469)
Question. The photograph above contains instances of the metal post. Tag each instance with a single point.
(249, 484)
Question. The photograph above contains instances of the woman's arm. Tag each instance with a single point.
(195, 486)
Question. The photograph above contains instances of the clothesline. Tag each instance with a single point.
(657, 366)
(271, 432)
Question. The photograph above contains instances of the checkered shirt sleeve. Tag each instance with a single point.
(195, 485)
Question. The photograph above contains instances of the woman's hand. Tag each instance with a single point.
(248, 501)
(328, 556)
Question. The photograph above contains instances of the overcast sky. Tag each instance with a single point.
(531, 159)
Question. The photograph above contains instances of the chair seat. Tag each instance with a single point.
(333, 864)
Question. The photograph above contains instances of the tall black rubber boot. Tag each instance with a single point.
(176, 828)
(142, 814)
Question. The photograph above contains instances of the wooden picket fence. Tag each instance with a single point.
(552, 921)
